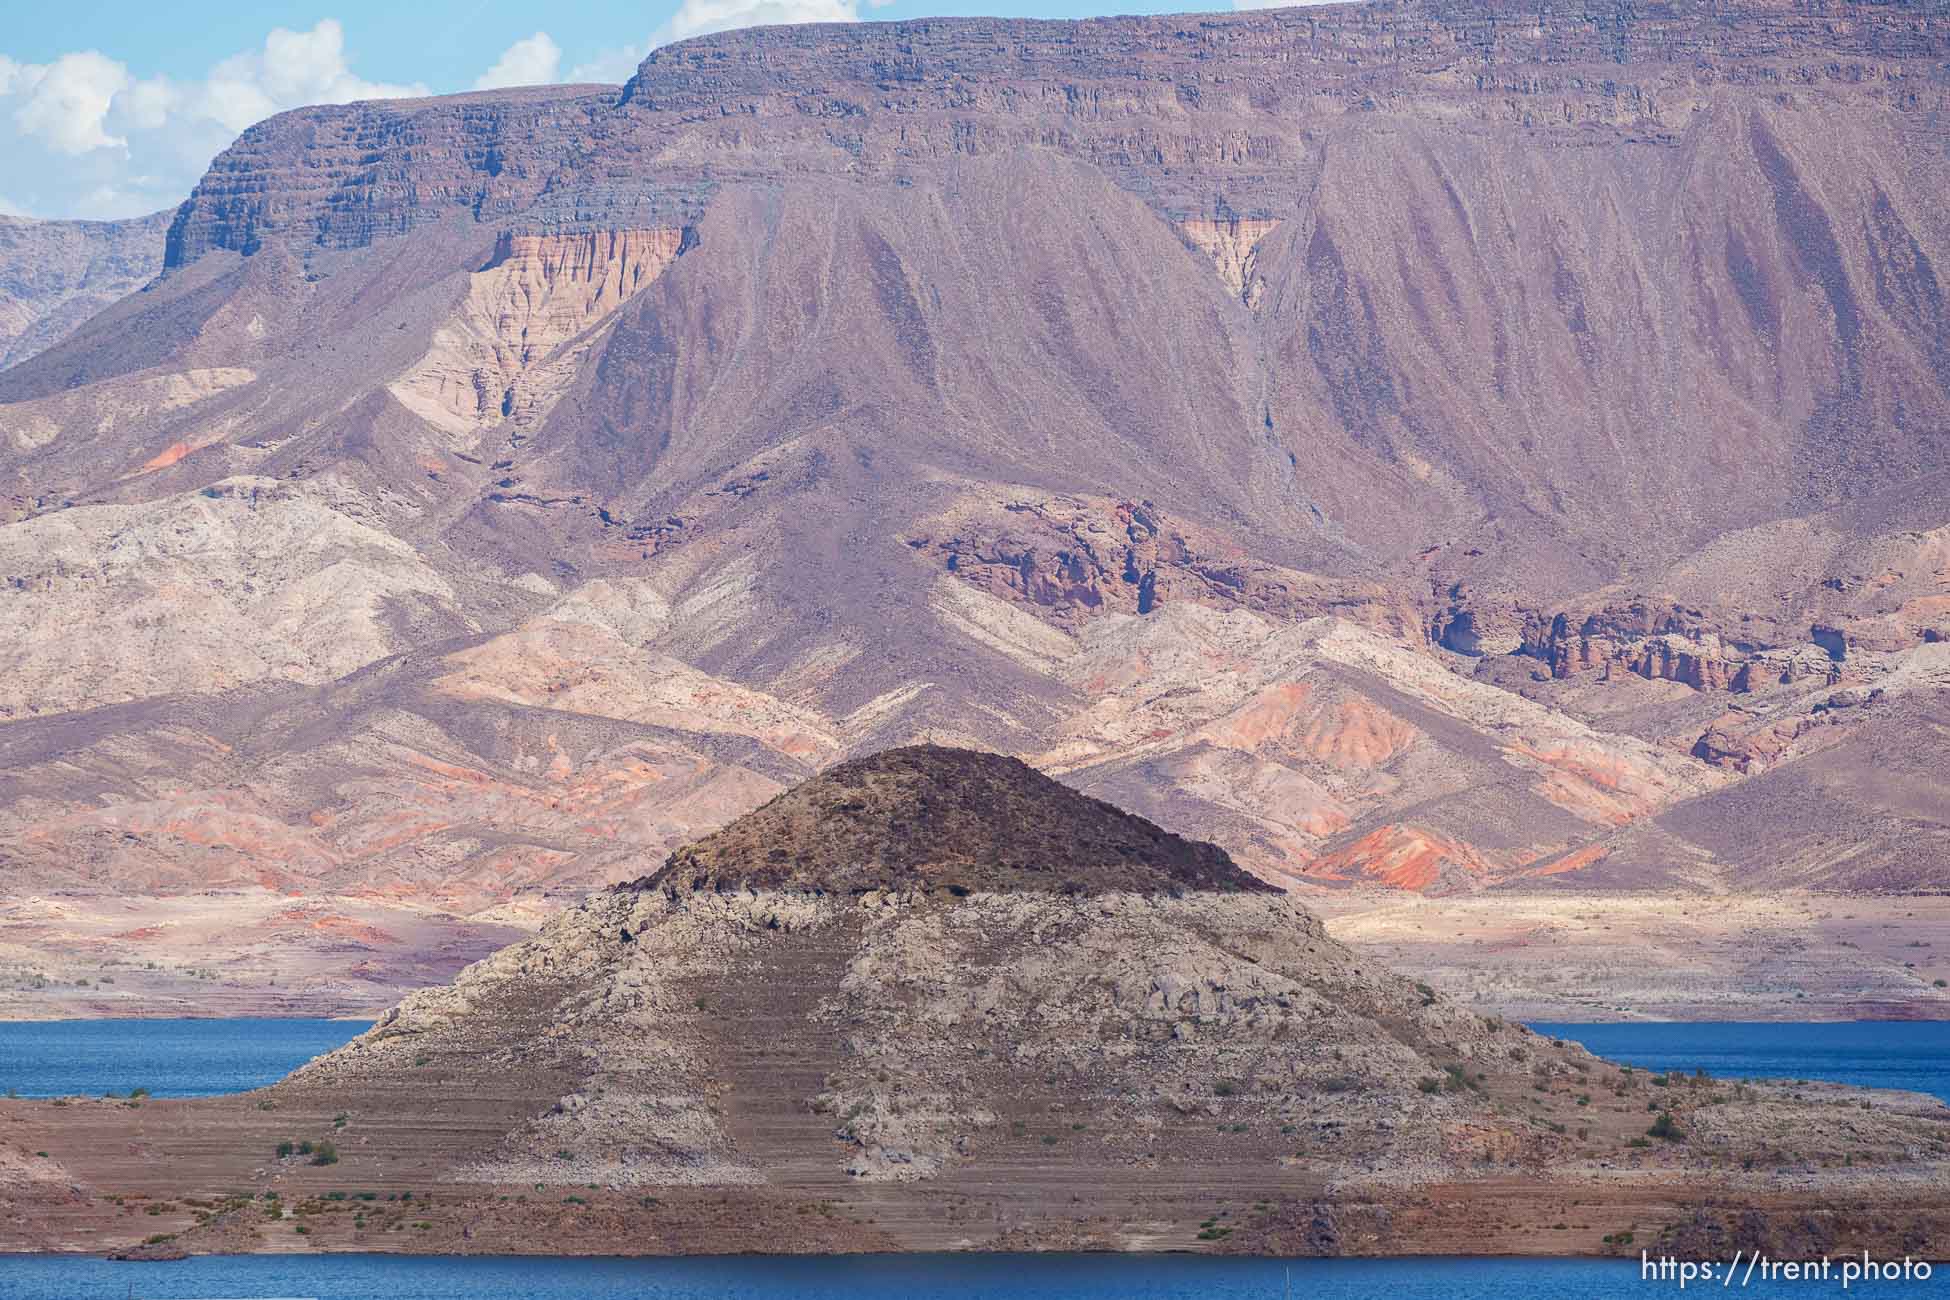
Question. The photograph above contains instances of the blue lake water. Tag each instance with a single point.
(186, 1057)
(1914, 1055)
(869, 1277)
(171, 1058)
(179, 1058)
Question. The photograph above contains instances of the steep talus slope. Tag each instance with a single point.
(1407, 443)
(56, 274)
(803, 1034)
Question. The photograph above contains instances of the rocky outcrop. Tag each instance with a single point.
(1072, 558)
(1673, 643)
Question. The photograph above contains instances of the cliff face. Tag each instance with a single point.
(1447, 446)
(381, 169)
(527, 323)
(56, 274)
(1179, 109)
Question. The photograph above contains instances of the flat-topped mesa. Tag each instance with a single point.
(929, 817)
(1177, 109)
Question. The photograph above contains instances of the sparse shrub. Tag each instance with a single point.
(1429, 1084)
(326, 1154)
(285, 1149)
(1227, 1087)
(1663, 1127)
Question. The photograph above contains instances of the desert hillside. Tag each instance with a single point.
(54, 275)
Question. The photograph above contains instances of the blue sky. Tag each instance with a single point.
(112, 108)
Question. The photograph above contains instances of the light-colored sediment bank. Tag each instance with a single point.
(1536, 956)
(234, 953)
(1591, 957)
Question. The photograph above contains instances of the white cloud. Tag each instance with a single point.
(532, 61)
(611, 66)
(146, 105)
(90, 140)
(697, 17)
(65, 103)
(8, 208)
(292, 70)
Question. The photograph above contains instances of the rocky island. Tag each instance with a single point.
(933, 999)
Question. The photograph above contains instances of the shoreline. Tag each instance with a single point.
(1790, 956)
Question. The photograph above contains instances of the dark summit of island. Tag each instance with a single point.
(933, 817)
